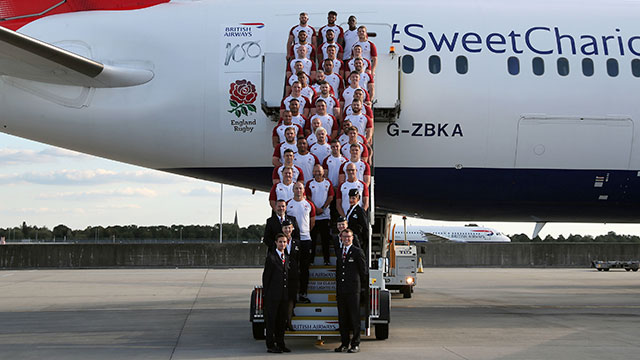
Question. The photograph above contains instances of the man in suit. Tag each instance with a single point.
(352, 277)
(292, 250)
(341, 225)
(275, 278)
(274, 225)
(357, 220)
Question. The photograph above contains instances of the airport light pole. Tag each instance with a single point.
(221, 189)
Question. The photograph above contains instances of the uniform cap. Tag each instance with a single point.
(354, 192)
(342, 219)
(286, 222)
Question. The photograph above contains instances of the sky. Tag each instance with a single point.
(44, 185)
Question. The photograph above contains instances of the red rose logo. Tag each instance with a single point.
(243, 94)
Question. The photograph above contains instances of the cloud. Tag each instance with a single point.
(89, 177)
(93, 194)
(118, 207)
(45, 210)
(50, 154)
(204, 191)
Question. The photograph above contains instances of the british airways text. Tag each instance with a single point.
(543, 40)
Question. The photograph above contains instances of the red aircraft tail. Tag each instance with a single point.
(14, 14)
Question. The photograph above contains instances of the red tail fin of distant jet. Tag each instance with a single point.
(15, 14)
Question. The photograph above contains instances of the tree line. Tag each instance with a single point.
(174, 232)
(230, 232)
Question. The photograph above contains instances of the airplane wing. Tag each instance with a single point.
(430, 237)
(24, 57)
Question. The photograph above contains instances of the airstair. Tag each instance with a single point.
(319, 318)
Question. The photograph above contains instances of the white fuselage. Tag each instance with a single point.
(529, 147)
(449, 233)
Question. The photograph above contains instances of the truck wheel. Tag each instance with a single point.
(599, 269)
(258, 331)
(627, 269)
(606, 269)
(634, 269)
(382, 331)
(406, 291)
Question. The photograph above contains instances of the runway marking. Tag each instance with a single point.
(184, 324)
(455, 353)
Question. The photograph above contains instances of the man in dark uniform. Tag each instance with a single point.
(274, 225)
(352, 277)
(293, 252)
(276, 294)
(357, 220)
(341, 225)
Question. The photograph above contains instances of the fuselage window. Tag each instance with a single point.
(513, 65)
(407, 64)
(612, 67)
(434, 64)
(587, 67)
(538, 66)
(635, 67)
(563, 66)
(462, 65)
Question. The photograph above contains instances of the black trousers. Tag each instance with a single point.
(349, 317)
(275, 320)
(321, 231)
(291, 303)
(306, 258)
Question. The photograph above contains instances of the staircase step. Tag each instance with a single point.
(313, 323)
(317, 309)
(327, 272)
(322, 296)
(319, 260)
(322, 284)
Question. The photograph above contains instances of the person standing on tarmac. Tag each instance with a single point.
(357, 219)
(275, 278)
(352, 277)
(293, 252)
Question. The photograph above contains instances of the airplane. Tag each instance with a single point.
(525, 108)
(468, 233)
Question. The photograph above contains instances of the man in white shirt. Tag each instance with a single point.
(296, 117)
(276, 175)
(354, 84)
(350, 37)
(290, 143)
(366, 80)
(332, 165)
(277, 136)
(296, 93)
(304, 159)
(333, 105)
(302, 26)
(363, 171)
(282, 190)
(352, 182)
(320, 191)
(334, 79)
(305, 213)
(321, 149)
(362, 122)
(327, 121)
(331, 41)
(302, 41)
(369, 50)
(331, 25)
(308, 65)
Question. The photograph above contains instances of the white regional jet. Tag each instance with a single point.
(511, 110)
(467, 233)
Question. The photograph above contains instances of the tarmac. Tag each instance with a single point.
(455, 313)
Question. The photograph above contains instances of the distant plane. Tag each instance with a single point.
(468, 233)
